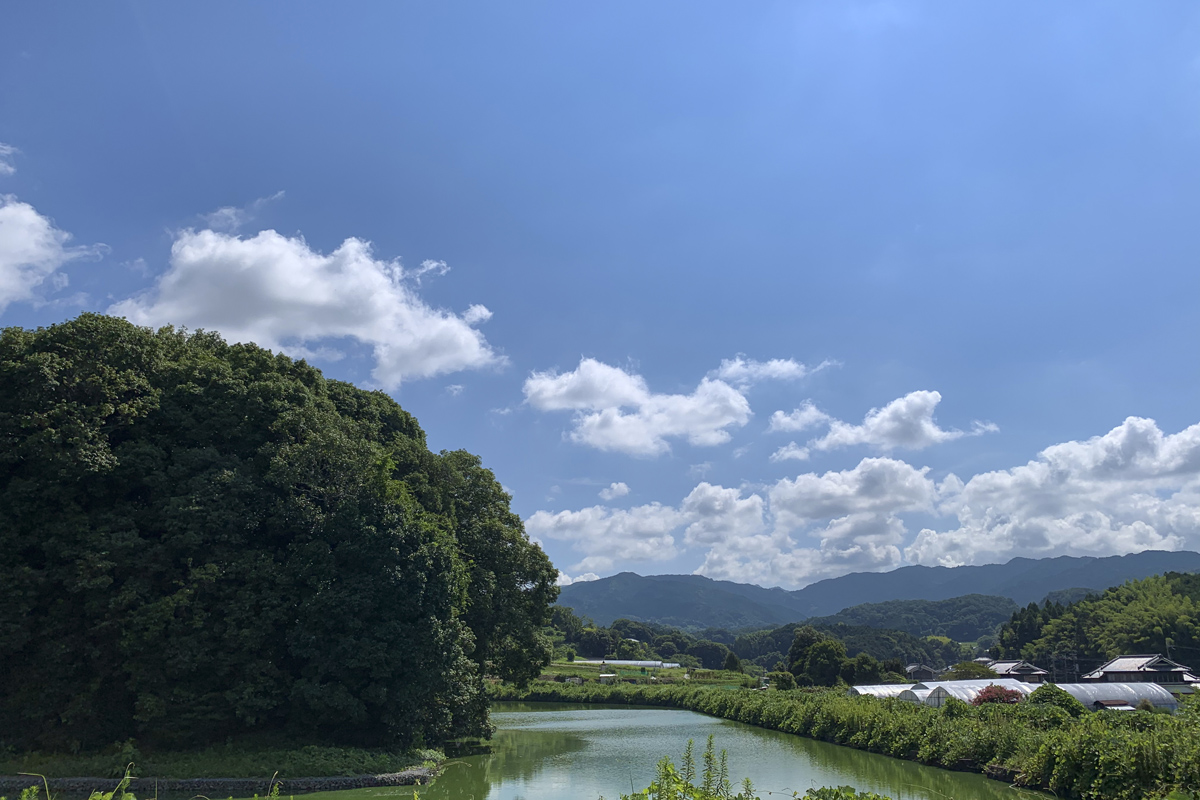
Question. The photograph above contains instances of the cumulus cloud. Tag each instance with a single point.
(279, 293)
(800, 419)
(614, 490)
(1132, 489)
(717, 513)
(605, 536)
(855, 543)
(230, 219)
(616, 411)
(906, 422)
(7, 151)
(743, 372)
(566, 580)
(790, 452)
(32, 250)
(875, 486)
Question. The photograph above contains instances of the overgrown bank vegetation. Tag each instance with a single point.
(202, 540)
(1047, 745)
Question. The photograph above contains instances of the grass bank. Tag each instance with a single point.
(1097, 756)
(238, 758)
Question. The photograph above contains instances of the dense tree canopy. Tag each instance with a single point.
(1159, 614)
(202, 538)
(963, 619)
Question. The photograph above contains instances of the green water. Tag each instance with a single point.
(555, 751)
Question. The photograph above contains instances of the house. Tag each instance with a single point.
(1151, 668)
(920, 672)
(1021, 670)
(608, 677)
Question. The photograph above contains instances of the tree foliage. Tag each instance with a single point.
(202, 539)
(1159, 614)
(963, 619)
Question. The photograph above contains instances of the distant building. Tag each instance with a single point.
(920, 672)
(1151, 668)
(1120, 696)
(879, 689)
(1021, 670)
(967, 691)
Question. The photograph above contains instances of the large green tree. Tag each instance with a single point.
(202, 538)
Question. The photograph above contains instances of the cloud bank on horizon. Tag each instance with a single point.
(1134, 488)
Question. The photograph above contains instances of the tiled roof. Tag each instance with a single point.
(1139, 663)
(1015, 667)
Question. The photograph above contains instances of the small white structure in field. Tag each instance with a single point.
(914, 695)
(967, 691)
(880, 689)
(1098, 696)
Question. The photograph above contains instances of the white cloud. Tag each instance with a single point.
(230, 219)
(717, 513)
(855, 543)
(454, 389)
(875, 486)
(605, 536)
(790, 452)
(7, 151)
(592, 386)
(801, 419)
(281, 294)
(742, 372)
(1132, 489)
(906, 422)
(614, 490)
(566, 580)
(32, 250)
(599, 393)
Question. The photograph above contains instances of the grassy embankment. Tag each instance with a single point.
(648, 676)
(247, 757)
(1106, 756)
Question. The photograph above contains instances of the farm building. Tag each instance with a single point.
(967, 691)
(880, 689)
(613, 662)
(1119, 695)
(1021, 670)
(920, 672)
(915, 695)
(1144, 668)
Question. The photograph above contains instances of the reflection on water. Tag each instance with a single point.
(553, 751)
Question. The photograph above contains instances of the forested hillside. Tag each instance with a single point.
(694, 602)
(768, 649)
(1160, 614)
(202, 539)
(963, 619)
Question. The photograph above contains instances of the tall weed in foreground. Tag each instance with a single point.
(678, 783)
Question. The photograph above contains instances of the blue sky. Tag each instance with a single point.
(801, 288)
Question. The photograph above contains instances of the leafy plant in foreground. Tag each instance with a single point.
(679, 783)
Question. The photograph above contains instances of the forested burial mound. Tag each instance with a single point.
(202, 540)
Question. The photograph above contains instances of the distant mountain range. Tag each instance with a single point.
(695, 602)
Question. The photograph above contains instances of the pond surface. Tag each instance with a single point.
(556, 751)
